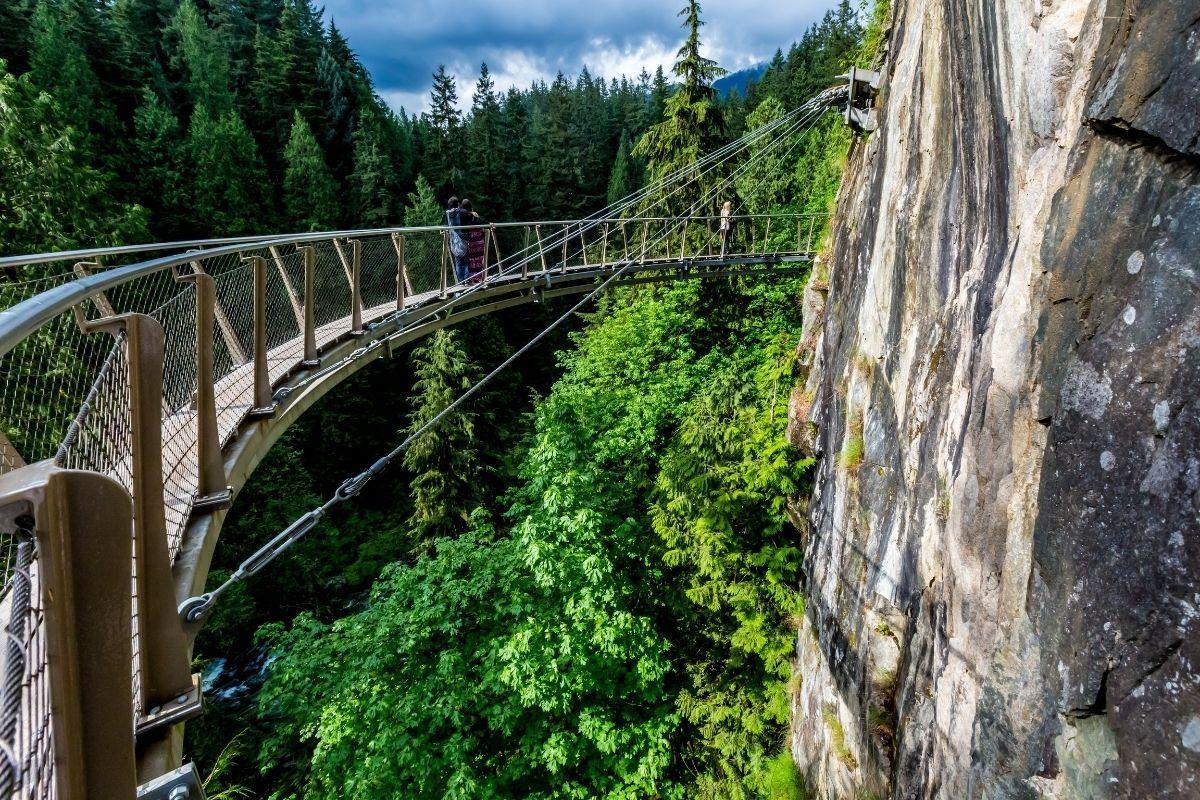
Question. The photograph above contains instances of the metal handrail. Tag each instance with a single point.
(11, 262)
(23, 319)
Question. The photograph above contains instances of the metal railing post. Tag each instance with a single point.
(264, 404)
(604, 247)
(525, 256)
(356, 303)
(487, 243)
(496, 248)
(541, 247)
(166, 676)
(401, 270)
(812, 220)
(212, 491)
(236, 353)
(310, 357)
(683, 240)
(566, 245)
(445, 255)
(76, 525)
(767, 237)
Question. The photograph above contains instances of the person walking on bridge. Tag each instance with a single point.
(456, 217)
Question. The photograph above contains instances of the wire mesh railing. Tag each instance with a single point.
(69, 383)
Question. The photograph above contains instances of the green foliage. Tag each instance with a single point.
(202, 59)
(770, 182)
(444, 461)
(693, 121)
(229, 185)
(784, 780)
(309, 193)
(51, 197)
(624, 178)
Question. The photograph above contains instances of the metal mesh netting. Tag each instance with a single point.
(26, 739)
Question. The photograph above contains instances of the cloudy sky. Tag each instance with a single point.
(403, 41)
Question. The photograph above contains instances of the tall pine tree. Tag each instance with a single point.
(693, 121)
(309, 192)
(444, 460)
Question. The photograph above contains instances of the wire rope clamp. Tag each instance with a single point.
(188, 705)
(180, 784)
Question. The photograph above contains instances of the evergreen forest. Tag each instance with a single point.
(586, 582)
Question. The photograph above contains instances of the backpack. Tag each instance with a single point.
(458, 245)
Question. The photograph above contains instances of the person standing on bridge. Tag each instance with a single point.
(476, 244)
(456, 217)
(726, 225)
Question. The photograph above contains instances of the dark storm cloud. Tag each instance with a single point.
(403, 41)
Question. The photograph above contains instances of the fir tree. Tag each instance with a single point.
(623, 180)
(51, 195)
(443, 460)
(484, 143)
(202, 59)
(158, 147)
(693, 121)
(309, 192)
(443, 150)
(768, 182)
(230, 193)
(372, 181)
(59, 64)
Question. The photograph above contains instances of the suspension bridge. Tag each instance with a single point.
(140, 386)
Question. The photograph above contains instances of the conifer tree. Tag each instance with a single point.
(768, 182)
(444, 460)
(269, 90)
(230, 192)
(60, 65)
(484, 145)
(693, 120)
(309, 192)
(623, 180)
(158, 148)
(15, 18)
(51, 195)
(202, 59)
(422, 208)
(443, 150)
(372, 181)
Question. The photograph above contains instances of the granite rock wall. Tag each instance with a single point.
(1003, 543)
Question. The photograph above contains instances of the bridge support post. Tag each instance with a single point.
(264, 404)
(488, 238)
(163, 654)
(401, 270)
(310, 358)
(72, 543)
(445, 255)
(211, 490)
(541, 247)
(356, 303)
(566, 244)
(525, 256)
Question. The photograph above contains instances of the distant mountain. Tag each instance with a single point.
(738, 81)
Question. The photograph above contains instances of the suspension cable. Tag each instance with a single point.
(804, 113)
(194, 609)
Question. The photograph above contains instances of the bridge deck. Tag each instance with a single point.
(235, 391)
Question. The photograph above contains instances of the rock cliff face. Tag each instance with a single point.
(1003, 548)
